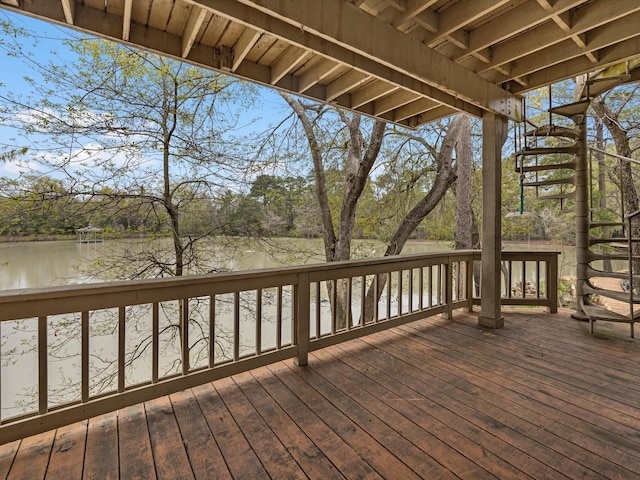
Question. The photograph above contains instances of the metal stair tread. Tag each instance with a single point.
(556, 181)
(555, 131)
(606, 224)
(610, 256)
(551, 166)
(613, 294)
(596, 312)
(593, 241)
(569, 149)
(572, 109)
(594, 272)
(559, 196)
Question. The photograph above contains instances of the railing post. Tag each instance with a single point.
(302, 298)
(448, 289)
(552, 283)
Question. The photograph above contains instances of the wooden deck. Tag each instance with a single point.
(540, 399)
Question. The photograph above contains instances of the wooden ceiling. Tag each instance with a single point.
(405, 61)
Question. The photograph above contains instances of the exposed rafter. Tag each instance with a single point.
(404, 61)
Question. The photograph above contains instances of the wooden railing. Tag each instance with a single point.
(121, 343)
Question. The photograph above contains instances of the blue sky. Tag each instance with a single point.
(270, 108)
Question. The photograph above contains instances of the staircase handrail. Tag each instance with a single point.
(620, 157)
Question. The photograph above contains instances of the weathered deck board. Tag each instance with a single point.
(540, 398)
(101, 457)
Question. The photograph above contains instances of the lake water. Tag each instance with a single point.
(44, 264)
(52, 263)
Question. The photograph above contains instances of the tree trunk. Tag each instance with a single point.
(445, 177)
(464, 217)
(358, 164)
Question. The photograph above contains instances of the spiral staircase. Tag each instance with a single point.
(554, 160)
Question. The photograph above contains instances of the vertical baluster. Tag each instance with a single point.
(400, 293)
(293, 313)
(509, 277)
(236, 326)
(363, 298)
(279, 319)
(212, 331)
(121, 347)
(155, 345)
(258, 321)
(85, 357)
(334, 296)
(448, 288)
(375, 298)
(388, 295)
(411, 270)
(439, 284)
(184, 347)
(524, 279)
(430, 286)
(421, 288)
(318, 311)
(348, 313)
(43, 365)
(537, 279)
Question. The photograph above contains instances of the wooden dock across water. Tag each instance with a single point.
(540, 398)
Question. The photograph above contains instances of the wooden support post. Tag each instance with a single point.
(302, 298)
(494, 134)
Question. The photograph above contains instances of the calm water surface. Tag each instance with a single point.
(45, 264)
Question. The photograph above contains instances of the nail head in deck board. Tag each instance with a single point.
(274, 457)
(240, 458)
(136, 457)
(101, 457)
(169, 453)
(33, 457)
(310, 458)
(68, 446)
(202, 449)
(347, 461)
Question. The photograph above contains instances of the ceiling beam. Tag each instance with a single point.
(490, 94)
(324, 26)
(288, 62)
(460, 15)
(602, 37)
(607, 57)
(588, 17)
(126, 19)
(413, 8)
(525, 16)
(344, 83)
(435, 114)
(412, 109)
(371, 92)
(393, 101)
(316, 74)
(192, 28)
(243, 46)
(68, 7)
